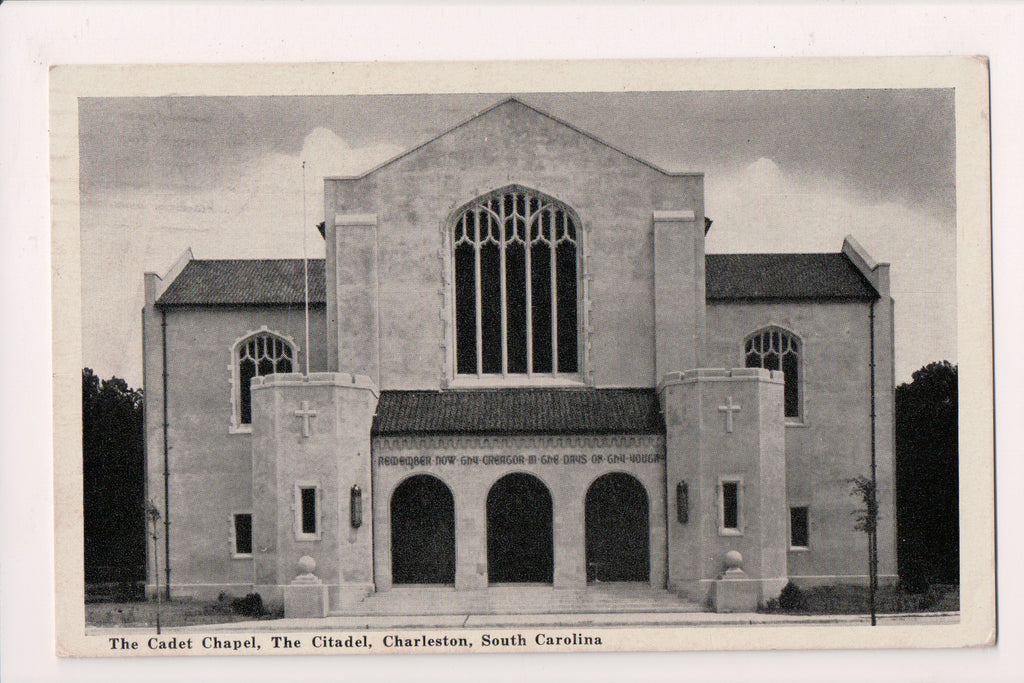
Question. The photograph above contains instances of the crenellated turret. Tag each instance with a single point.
(726, 477)
(311, 472)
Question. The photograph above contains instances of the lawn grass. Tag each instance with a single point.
(831, 599)
(173, 613)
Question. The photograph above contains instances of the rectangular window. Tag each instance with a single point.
(243, 534)
(798, 528)
(730, 508)
(308, 509)
(730, 505)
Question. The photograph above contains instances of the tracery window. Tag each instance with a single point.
(516, 260)
(776, 349)
(264, 353)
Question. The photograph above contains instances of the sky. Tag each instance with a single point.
(785, 171)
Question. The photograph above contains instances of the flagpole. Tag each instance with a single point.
(305, 262)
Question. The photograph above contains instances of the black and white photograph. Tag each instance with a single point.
(510, 342)
(522, 369)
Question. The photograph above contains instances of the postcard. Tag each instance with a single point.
(509, 357)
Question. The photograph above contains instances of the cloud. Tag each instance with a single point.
(326, 154)
(256, 212)
(762, 208)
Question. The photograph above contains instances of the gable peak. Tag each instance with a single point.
(515, 100)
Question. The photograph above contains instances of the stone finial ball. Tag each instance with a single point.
(307, 564)
(733, 560)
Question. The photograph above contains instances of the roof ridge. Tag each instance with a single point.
(775, 253)
(513, 390)
(251, 260)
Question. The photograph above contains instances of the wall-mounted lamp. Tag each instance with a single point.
(356, 506)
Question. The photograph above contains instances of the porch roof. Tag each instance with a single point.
(519, 411)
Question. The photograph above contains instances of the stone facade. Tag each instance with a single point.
(392, 227)
(318, 475)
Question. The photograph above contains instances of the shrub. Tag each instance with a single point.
(249, 606)
(792, 599)
(131, 591)
(913, 577)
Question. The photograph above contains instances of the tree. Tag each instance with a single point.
(867, 521)
(113, 477)
(927, 477)
(153, 516)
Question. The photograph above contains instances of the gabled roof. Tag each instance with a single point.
(272, 282)
(728, 277)
(784, 276)
(512, 101)
(519, 411)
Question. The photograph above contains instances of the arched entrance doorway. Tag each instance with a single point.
(617, 529)
(519, 535)
(422, 531)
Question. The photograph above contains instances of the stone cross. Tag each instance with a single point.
(729, 408)
(305, 414)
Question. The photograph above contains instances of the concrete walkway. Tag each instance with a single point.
(694, 619)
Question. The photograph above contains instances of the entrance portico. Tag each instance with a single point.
(521, 505)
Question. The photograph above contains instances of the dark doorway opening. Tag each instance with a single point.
(422, 531)
(618, 530)
(519, 535)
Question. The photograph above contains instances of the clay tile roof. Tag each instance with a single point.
(238, 282)
(728, 276)
(784, 276)
(519, 411)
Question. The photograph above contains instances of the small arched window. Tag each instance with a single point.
(516, 266)
(776, 349)
(260, 354)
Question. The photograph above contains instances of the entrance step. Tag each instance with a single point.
(521, 599)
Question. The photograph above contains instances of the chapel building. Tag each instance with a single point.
(522, 369)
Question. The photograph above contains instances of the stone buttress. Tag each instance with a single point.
(311, 442)
(725, 447)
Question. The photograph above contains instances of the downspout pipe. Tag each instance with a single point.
(167, 505)
(873, 538)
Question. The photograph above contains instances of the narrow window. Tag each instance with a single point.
(243, 534)
(731, 505)
(259, 355)
(798, 531)
(516, 263)
(308, 495)
(775, 349)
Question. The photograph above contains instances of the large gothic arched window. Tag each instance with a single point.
(516, 261)
(775, 349)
